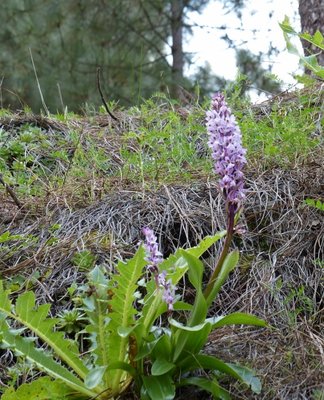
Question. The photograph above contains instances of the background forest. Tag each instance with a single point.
(137, 44)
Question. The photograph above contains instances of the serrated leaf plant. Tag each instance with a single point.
(136, 329)
(317, 40)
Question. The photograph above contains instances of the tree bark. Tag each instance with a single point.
(177, 7)
(312, 19)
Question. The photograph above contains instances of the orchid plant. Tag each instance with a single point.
(138, 331)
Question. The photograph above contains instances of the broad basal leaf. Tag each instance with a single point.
(236, 319)
(159, 387)
(195, 269)
(161, 366)
(248, 377)
(210, 385)
(205, 362)
(188, 339)
(199, 309)
(205, 244)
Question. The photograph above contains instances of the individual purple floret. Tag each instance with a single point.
(225, 140)
(153, 255)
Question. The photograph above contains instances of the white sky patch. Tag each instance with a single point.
(256, 31)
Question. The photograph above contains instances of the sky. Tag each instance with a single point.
(206, 44)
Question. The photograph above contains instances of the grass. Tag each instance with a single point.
(88, 184)
(283, 137)
(155, 144)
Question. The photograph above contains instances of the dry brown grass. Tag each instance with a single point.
(283, 239)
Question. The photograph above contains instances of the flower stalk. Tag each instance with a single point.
(224, 252)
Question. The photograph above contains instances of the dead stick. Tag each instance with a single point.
(102, 96)
(11, 192)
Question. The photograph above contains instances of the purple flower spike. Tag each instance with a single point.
(154, 258)
(168, 290)
(225, 141)
(153, 255)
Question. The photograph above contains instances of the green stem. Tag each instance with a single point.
(229, 236)
(101, 338)
(151, 314)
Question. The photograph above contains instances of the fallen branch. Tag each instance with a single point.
(11, 192)
(102, 96)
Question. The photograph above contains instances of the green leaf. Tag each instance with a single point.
(189, 341)
(195, 271)
(42, 360)
(195, 274)
(175, 266)
(84, 260)
(315, 203)
(161, 366)
(124, 367)
(317, 39)
(199, 310)
(123, 312)
(155, 347)
(248, 377)
(159, 387)
(319, 205)
(97, 277)
(162, 347)
(243, 374)
(43, 388)
(236, 319)
(182, 306)
(209, 385)
(145, 349)
(94, 377)
(310, 202)
(195, 328)
(5, 303)
(5, 237)
(205, 362)
(288, 30)
(205, 244)
(229, 264)
(311, 63)
(34, 318)
(286, 27)
(152, 302)
(124, 332)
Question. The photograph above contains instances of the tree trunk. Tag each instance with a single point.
(177, 7)
(312, 19)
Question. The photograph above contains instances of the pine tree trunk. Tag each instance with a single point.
(177, 7)
(312, 19)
